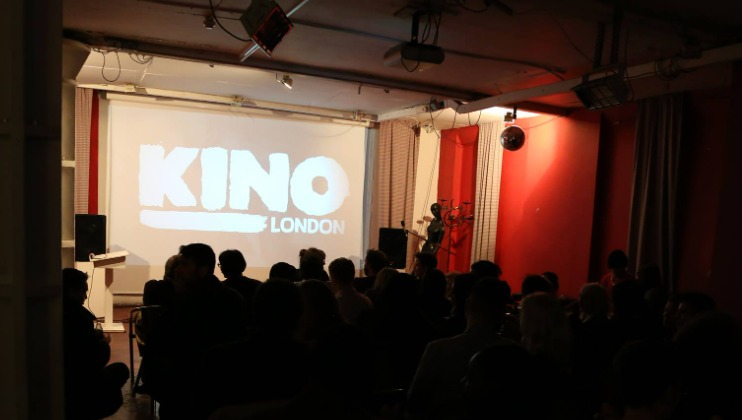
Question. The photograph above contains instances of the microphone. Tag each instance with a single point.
(402, 222)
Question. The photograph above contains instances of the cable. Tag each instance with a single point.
(144, 59)
(566, 36)
(90, 290)
(462, 4)
(216, 19)
(103, 68)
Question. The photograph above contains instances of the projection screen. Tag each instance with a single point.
(265, 186)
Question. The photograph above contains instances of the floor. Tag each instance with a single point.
(137, 408)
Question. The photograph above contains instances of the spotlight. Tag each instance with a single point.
(286, 80)
(209, 22)
(511, 116)
(266, 23)
(603, 92)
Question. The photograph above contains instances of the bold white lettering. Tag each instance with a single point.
(302, 192)
(300, 225)
(338, 227)
(325, 226)
(213, 178)
(272, 187)
(312, 226)
(287, 225)
(161, 176)
(274, 228)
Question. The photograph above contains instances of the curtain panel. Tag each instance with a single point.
(396, 170)
(487, 197)
(457, 183)
(652, 221)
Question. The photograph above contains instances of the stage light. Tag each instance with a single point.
(286, 80)
(602, 92)
(266, 23)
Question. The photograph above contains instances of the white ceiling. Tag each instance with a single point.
(334, 52)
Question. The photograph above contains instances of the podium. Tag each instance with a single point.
(100, 278)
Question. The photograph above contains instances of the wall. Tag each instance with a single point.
(613, 185)
(547, 198)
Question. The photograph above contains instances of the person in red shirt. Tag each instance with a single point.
(618, 263)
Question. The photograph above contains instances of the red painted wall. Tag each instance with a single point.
(547, 197)
(613, 185)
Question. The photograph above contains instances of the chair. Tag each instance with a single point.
(141, 319)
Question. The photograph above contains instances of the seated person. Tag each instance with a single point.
(161, 292)
(374, 262)
(233, 264)
(92, 389)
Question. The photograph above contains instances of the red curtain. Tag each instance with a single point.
(457, 185)
(93, 177)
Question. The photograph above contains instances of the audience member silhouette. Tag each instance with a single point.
(645, 380)
(553, 279)
(284, 270)
(710, 367)
(268, 365)
(232, 264)
(595, 345)
(436, 390)
(205, 313)
(351, 303)
(501, 383)
(92, 388)
(380, 282)
(161, 292)
(321, 312)
(312, 264)
(433, 302)
(547, 337)
(618, 264)
(374, 262)
(533, 283)
(400, 332)
(690, 305)
(456, 323)
(485, 268)
(423, 264)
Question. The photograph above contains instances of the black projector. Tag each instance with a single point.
(413, 56)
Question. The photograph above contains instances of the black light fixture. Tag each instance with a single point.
(602, 92)
(266, 23)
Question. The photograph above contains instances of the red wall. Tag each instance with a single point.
(613, 185)
(547, 196)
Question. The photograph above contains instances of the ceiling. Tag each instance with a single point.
(334, 53)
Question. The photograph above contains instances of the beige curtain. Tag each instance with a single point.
(652, 223)
(395, 172)
(487, 200)
(83, 109)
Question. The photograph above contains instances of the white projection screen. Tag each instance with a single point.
(265, 186)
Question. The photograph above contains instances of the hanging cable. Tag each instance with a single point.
(216, 19)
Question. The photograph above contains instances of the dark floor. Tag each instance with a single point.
(137, 408)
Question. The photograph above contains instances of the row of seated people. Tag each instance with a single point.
(461, 348)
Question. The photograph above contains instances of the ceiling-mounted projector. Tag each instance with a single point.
(414, 56)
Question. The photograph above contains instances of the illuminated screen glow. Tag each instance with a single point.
(267, 187)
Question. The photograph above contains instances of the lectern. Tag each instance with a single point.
(100, 278)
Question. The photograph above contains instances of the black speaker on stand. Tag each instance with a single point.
(393, 243)
(90, 236)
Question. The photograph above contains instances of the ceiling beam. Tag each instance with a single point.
(211, 56)
(713, 56)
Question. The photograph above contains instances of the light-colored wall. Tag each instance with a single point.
(426, 186)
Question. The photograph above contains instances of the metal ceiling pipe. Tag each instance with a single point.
(709, 57)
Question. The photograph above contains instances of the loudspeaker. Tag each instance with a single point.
(90, 236)
(393, 243)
